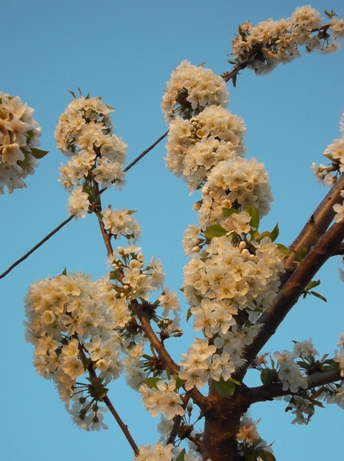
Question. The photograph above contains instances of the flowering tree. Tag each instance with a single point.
(239, 282)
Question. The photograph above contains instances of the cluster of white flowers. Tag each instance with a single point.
(160, 452)
(233, 276)
(191, 89)
(121, 223)
(292, 370)
(234, 183)
(132, 278)
(84, 134)
(289, 372)
(197, 145)
(270, 43)
(162, 399)
(72, 328)
(329, 174)
(18, 138)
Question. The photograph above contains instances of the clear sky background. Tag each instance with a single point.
(125, 51)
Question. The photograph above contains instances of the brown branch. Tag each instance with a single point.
(250, 58)
(123, 426)
(293, 289)
(102, 392)
(264, 393)
(315, 227)
(196, 395)
(177, 420)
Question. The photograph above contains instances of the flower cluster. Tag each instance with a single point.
(73, 331)
(195, 146)
(121, 223)
(233, 275)
(96, 155)
(329, 174)
(235, 183)
(292, 369)
(190, 90)
(335, 153)
(162, 399)
(18, 139)
(270, 43)
(250, 444)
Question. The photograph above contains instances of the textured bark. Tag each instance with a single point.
(293, 289)
(315, 227)
(222, 424)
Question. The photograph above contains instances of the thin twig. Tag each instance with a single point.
(96, 382)
(36, 247)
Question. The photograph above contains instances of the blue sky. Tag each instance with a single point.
(125, 51)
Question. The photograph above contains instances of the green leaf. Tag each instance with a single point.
(151, 382)
(312, 284)
(188, 314)
(114, 275)
(274, 233)
(215, 231)
(253, 212)
(64, 272)
(318, 295)
(234, 79)
(267, 376)
(38, 153)
(181, 455)
(283, 249)
(229, 211)
(224, 388)
(179, 382)
(268, 456)
(72, 93)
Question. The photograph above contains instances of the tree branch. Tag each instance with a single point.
(96, 382)
(315, 227)
(264, 393)
(196, 395)
(293, 289)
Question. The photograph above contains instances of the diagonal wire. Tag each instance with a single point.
(53, 232)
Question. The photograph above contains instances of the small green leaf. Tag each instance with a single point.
(234, 79)
(215, 231)
(114, 275)
(151, 382)
(38, 153)
(268, 456)
(179, 382)
(188, 314)
(312, 284)
(318, 295)
(274, 233)
(72, 93)
(181, 456)
(267, 376)
(283, 249)
(224, 388)
(229, 211)
(64, 272)
(253, 212)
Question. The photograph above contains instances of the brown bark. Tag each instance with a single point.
(287, 297)
(315, 227)
(222, 423)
